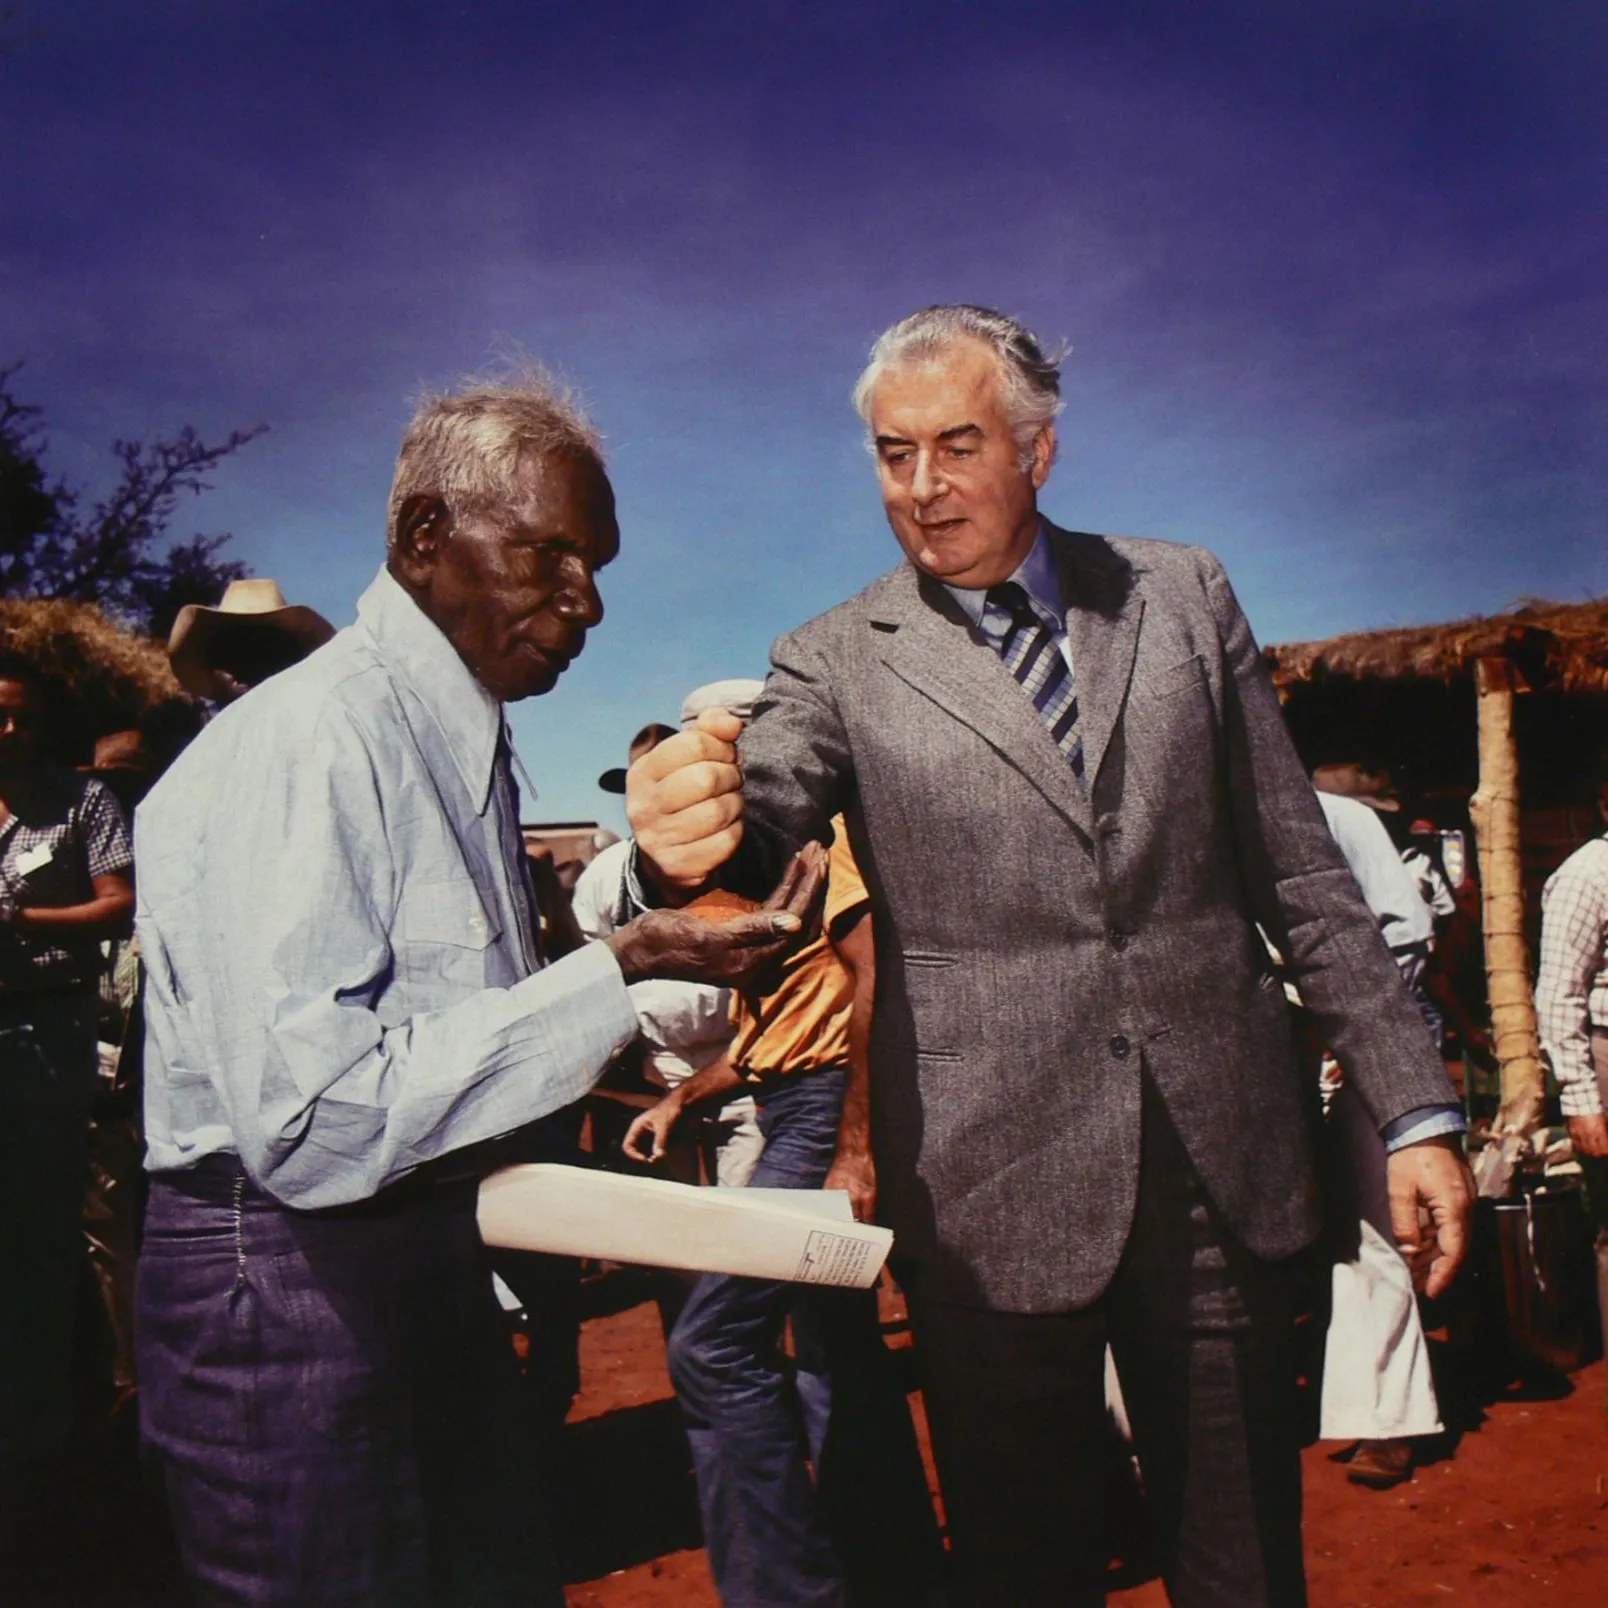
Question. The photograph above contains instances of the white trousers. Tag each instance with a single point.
(1376, 1379)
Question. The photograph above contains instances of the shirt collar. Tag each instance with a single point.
(1037, 575)
(469, 719)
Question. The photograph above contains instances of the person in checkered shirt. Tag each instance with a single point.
(1571, 1005)
(65, 885)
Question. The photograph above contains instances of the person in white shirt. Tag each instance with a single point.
(685, 1026)
(1377, 1388)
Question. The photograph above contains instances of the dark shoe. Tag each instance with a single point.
(1379, 1464)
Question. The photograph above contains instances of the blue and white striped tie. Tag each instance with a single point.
(1032, 655)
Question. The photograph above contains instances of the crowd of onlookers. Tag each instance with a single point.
(1063, 882)
(71, 1179)
(676, 1101)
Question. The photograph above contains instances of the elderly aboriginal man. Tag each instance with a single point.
(344, 996)
(1073, 801)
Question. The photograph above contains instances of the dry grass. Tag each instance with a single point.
(109, 675)
(1561, 645)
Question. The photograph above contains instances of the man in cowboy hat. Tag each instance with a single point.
(220, 653)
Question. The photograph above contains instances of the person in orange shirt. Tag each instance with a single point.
(863, 1531)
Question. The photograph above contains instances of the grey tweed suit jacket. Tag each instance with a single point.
(1037, 945)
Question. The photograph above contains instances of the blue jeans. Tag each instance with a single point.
(863, 1531)
(334, 1401)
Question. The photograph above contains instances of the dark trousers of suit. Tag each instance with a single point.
(1202, 1333)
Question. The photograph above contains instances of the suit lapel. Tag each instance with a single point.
(931, 646)
(1103, 610)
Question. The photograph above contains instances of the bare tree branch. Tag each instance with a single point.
(112, 556)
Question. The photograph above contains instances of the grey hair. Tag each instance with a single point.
(466, 446)
(1030, 377)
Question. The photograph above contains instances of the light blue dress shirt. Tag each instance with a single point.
(342, 982)
(1038, 576)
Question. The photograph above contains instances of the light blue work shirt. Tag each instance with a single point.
(342, 981)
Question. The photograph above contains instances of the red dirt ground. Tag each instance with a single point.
(1511, 1510)
(1513, 1513)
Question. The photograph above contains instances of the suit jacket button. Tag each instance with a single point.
(1119, 1046)
(1119, 939)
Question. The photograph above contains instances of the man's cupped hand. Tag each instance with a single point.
(685, 947)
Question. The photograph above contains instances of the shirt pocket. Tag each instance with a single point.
(445, 932)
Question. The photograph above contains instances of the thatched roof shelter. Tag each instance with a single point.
(1497, 723)
(1405, 698)
(111, 678)
(1563, 646)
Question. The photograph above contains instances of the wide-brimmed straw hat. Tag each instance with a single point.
(256, 599)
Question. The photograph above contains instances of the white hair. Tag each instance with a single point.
(1030, 377)
(466, 446)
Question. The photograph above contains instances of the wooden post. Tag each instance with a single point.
(1495, 811)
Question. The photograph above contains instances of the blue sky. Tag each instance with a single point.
(1335, 276)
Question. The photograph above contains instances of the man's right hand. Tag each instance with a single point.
(683, 947)
(1589, 1135)
(652, 1128)
(685, 801)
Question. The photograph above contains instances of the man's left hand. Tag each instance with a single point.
(1431, 1205)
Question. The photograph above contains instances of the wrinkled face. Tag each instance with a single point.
(17, 733)
(963, 508)
(514, 588)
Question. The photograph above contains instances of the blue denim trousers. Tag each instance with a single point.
(47, 1084)
(862, 1532)
(334, 1400)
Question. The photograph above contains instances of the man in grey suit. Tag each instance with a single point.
(1070, 790)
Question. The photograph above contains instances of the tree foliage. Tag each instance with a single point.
(114, 555)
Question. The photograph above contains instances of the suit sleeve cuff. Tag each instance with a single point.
(1427, 1122)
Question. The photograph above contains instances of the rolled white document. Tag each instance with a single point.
(805, 1235)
